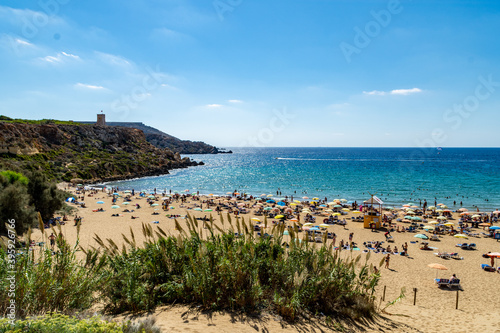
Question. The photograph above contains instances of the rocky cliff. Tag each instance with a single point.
(160, 139)
(86, 152)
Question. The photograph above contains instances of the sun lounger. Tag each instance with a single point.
(448, 283)
(488, 268)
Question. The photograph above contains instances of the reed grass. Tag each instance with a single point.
(201, 265)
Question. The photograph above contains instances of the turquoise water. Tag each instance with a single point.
(396, 175)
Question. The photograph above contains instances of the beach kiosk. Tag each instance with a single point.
(372, 209)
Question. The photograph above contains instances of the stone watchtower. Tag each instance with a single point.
(101, 119)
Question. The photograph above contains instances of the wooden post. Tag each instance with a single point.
(457, 300)
(414, 296)
(383, 297)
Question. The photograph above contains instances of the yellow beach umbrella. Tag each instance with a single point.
(357, 212)
(256, 219)
(325, 225)
(306, 224)
(460, 236)
(346, 209)
(336, 214)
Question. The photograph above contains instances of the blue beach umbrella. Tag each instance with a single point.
(271, 201)
(100, 202)
(494, 227)
(281, 203)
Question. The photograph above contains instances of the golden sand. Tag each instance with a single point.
(435, 309)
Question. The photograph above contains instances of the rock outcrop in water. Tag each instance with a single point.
(88, 152)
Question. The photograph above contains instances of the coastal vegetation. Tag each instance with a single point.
(22, 197)
(201, 266)
(74, 152)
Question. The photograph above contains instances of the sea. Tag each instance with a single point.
(456, 177)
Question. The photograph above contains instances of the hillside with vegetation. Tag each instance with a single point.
(82, 152)
(160, 139)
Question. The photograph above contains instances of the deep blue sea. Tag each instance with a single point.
(396, 175)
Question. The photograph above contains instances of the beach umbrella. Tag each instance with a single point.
(494, 254)
(315, 198)
(208, 210)
(322, 205)
(154, 205)
(279, 217)
(439, 210)
(115, 206)
(198, 209)
(448, 224)
(127, 191)
(441, 218)
(294, 220)
(281, 203)
(126, 203)
(343, 200)
(437, 267)
(305, 198)
(484, 224)
(269, 195)
(411, 212)
(356, 212)
(116, 193)
(307, 224)
(268, 208)
(429, 227)
(406, 206)
(306, 228)
(315, 228)
(463, 210)
(434, 222)
(346, 209)
(325, 225)
(432, 207)
(100, 202)
(421, 236)
(417, 218)
(293, 204)
(336, 214)
(475, 216)
(271, 201)
(460, 236)
(263, 195)
(414, 206)
(296, 201)
(408, 217)
(151, 196)
(256, 219)
(444, 206)
(463, 213)
(495, 227)
(337, 206)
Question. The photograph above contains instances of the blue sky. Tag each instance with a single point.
(261, 73)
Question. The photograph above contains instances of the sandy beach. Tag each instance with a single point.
(435, 309)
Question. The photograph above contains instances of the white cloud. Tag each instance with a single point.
(393, 92)
(214, 106)
(89, 86)
(60, 58)
(22, 42)
(235, 101)
(112, 59)
(405, 91)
